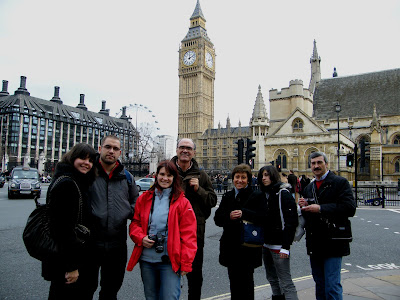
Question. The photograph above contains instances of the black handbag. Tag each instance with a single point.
(252, 234)
(339, 229)
(37, 235)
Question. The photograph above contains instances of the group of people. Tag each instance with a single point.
(273, 207)
(167, 223)
(168, 226)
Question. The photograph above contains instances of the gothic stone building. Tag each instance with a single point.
(302, 119)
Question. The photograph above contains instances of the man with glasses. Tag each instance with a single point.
(199, 190)
(112, 198)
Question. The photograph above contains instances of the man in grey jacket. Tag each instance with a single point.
(112, 199)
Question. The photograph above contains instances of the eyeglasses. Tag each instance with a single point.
(109, 147)
(185, 148)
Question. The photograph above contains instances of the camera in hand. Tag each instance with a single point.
(159, 241)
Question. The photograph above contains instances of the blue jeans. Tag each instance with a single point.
(160, 281)
(278, 274)
(326, 274)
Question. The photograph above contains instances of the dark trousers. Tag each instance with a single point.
(110, 262)
(59, 290)
(195, 278)
(241, 282)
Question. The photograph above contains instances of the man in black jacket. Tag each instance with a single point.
(328, 200)
(292, 180)
(199, 191)
(112, 198)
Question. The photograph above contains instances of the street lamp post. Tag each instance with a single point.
(338, 109)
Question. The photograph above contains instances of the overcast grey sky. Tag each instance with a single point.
(126, 52)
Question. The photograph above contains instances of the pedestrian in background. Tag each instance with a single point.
(292, 180)
(329, 201)
(67, 197)
(280, 227)
(164, 232)
(236, 206)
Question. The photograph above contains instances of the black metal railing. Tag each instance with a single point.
(378, 195)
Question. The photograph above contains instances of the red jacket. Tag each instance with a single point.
(182, 227)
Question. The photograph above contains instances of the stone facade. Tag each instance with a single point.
(304, 120)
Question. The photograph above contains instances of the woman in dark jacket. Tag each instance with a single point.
(237, 205)
(280, 227)
(66, 195)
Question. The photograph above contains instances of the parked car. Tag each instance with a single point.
(24, 181)
(143, 184)
(2, 181)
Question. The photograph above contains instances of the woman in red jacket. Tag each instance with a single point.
(164, 232)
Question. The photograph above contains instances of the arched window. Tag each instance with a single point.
(396, 140)
(281, 160)
(298, 125)
(397, 166)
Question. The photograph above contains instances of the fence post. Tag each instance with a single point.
(383, 196)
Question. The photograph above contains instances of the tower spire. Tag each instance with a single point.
(315, 53)
(197, 26)
(197, 12)
(315, 62)
(259, 111)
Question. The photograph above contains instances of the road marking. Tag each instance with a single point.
(387, 266)
(385, 228)
(260, 287)
(396, 232)
(395, 210)
(369, 221)
(377, 224)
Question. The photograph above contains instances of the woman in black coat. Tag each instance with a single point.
(280, 227)
(65, 194)
(238, 205)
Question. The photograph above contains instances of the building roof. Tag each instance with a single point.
(26, 104)
(357, 95)
(218, 132)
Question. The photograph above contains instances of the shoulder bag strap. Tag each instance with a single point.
(280, 206)
(57, 181)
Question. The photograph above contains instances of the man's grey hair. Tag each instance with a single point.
(316, 154)
(194, 144)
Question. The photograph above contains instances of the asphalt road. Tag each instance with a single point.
(376, 234)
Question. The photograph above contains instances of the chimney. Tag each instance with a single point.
(4, 92)
(56, 97)
(103, 109)
(22, 89)
(124, 116)
(81, 104)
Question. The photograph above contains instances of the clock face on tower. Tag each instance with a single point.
(209, 60)
(189, 58)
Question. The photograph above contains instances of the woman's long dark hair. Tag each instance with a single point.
(273, 176)
(82, 151)
(173, 170)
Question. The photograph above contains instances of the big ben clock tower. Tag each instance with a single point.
(196, 79)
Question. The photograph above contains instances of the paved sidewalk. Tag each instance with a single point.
(356, 286)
